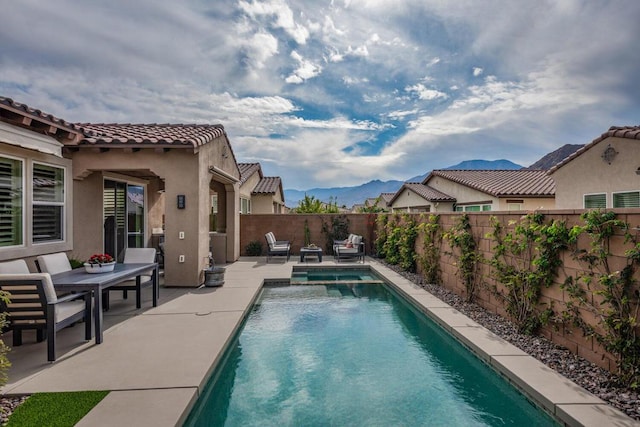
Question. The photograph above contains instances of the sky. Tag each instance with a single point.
(333, 93)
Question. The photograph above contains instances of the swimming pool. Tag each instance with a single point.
(323, 275)
(353, 354)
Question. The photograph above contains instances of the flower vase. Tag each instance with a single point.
(99, 268)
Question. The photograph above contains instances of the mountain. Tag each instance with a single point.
(555, 157)
(349, 196)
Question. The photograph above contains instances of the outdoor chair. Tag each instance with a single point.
(134, 256)
(53, 263)
(18, 266)
(353, 247)
(35, 305)
(277, 247)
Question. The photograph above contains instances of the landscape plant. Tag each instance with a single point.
(525, 260)
(381, 234)
(254, 248)
(399, 246)
(615, 302)
(464, 249)
(336, 229)
(429, 260)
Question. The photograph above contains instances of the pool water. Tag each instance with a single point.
(353, 355)
(336, 275)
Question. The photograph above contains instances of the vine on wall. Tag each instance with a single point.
(429, 259)
(525, 261)
(465, 251)
(399, 246)
(338, 229)
(617, 304)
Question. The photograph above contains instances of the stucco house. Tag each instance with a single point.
(603, 174)
(260, 194)
(93, 188)
(446, 190)
(495, 190)
(414, 197)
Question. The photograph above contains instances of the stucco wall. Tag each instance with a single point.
(589, 173)
(410, 200)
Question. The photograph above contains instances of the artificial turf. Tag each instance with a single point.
(55, 409)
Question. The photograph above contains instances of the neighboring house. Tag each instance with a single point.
(495, 190)
(414, 197)
(603, 174)
(259, 194)
(94, 188)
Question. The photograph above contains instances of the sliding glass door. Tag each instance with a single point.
(124, 217)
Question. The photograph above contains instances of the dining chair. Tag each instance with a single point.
(134, 256)
(53, 263)
(33, 304)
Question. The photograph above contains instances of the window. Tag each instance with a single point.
(595, 201)
(472, 208)
(245, 206)
(11, 202)
(48, 203)
(629, 199)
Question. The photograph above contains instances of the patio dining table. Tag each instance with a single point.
(80, 280)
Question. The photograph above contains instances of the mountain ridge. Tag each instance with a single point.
(348, 196)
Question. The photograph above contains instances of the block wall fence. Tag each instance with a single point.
(291, 227)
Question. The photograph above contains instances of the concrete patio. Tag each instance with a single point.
(156, 361)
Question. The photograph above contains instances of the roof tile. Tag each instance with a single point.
(267, 185)
(499, 183)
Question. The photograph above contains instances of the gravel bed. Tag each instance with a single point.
(8, 405)
(596, 380)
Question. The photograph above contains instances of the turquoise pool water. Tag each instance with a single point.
(353, 355)
(333, 275)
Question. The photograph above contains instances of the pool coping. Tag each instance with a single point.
(564, 400)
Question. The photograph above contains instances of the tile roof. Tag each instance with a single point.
(192, 135)
(387, 197)
(628, 132)
(14, 113)
(428, 193)
(268, 185)
(499, 183)
(248, 169)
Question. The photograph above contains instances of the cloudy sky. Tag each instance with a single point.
(336, 92)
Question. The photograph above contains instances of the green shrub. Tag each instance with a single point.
(254, 248)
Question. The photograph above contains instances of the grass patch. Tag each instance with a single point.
(55, 409)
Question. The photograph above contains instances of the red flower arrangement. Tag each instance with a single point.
(100, 259)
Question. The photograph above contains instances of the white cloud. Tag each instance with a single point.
(477, 71)
(426, 94)
(306, 70)
(283, 17)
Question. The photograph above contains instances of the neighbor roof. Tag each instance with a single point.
(192, 135)
(267, 185)
(387, 197)
(500, 183)
(248, 169)
(424, 191)
(628, 132)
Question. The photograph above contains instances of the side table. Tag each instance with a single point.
(314, 252)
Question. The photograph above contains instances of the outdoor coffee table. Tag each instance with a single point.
(314, 252)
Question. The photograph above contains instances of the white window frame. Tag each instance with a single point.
(245, 206)
(63, 204)
(584, 199)
(466, 208)
(23, 207)
(623, 192)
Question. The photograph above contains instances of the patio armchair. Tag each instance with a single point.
(277, 247)
(34, 305)
(18, 266)
(53, 263)
(134, 256)
(353, 247)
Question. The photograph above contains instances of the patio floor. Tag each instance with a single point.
(156, 361)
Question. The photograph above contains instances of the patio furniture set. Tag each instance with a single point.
(353, 247)
(57, 296)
